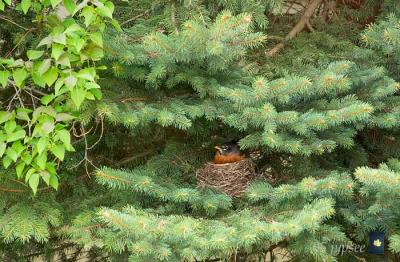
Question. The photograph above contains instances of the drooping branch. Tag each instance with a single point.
(304, 20)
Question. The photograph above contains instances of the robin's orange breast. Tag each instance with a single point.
(223, 159)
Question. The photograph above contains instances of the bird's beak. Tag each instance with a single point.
(218, 148)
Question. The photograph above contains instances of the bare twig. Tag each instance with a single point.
(297, 28)
(131, 158)
(18, 92)
(135, 17)
(134, 99)
(82, 134)
(101, 134)
(36, 91)
(85, 159)
(19, 42)
(12, 99)
(12, 22)
(173, 17)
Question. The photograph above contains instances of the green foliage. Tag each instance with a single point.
(35, 139)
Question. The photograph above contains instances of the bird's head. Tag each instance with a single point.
(228, 148)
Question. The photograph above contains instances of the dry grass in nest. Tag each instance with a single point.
(231, 178)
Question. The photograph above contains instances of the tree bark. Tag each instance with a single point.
(305, 18)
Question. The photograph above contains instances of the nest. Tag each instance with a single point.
(231, 178)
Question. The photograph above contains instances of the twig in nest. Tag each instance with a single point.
(305, 18)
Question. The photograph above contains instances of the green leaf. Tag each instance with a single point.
(116, 25)
(106, 10)
(12, 154)
(78, 95)
(46, 99)
(70, 6)
(18, 147)
(3, 147)
(4, 116)
(4, 75)
(2, 6)
(42, 144)
(60, 38)
(90, 96)
(70, 81)
(34, 182)
(96, 53)
(46, 41)
(7, 161)
(58, 151)
(47, 127)
(97, 93)
(25, 5)
(56, 51)
(44, 66)
(38, 80)
(45, 176)
(89, 14)
(51, 168)
(54, 3)
(64, 60)
(64, 117)
(97, 38)
(10, 126)
(20, 169)
(41, 160)
(91, 85)
(87, 73)
(64, 136)
(72, 28)
(34, 54)
(78, 43)
(19, 76)
(20, 134)
(53, 181)
(22, 114)
(26, 157)
(50, 76)
(29, 173)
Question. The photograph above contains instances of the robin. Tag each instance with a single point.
(228, 153)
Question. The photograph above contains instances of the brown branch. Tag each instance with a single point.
(12, 22)
(131, 158)
(173, 17)
(135, 17)
(297, 28)
(19, 42)
(12, 190)
(36, 91)
(134, 99)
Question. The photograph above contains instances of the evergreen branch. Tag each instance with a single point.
(309, 11)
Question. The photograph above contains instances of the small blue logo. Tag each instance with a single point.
(376, 243)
